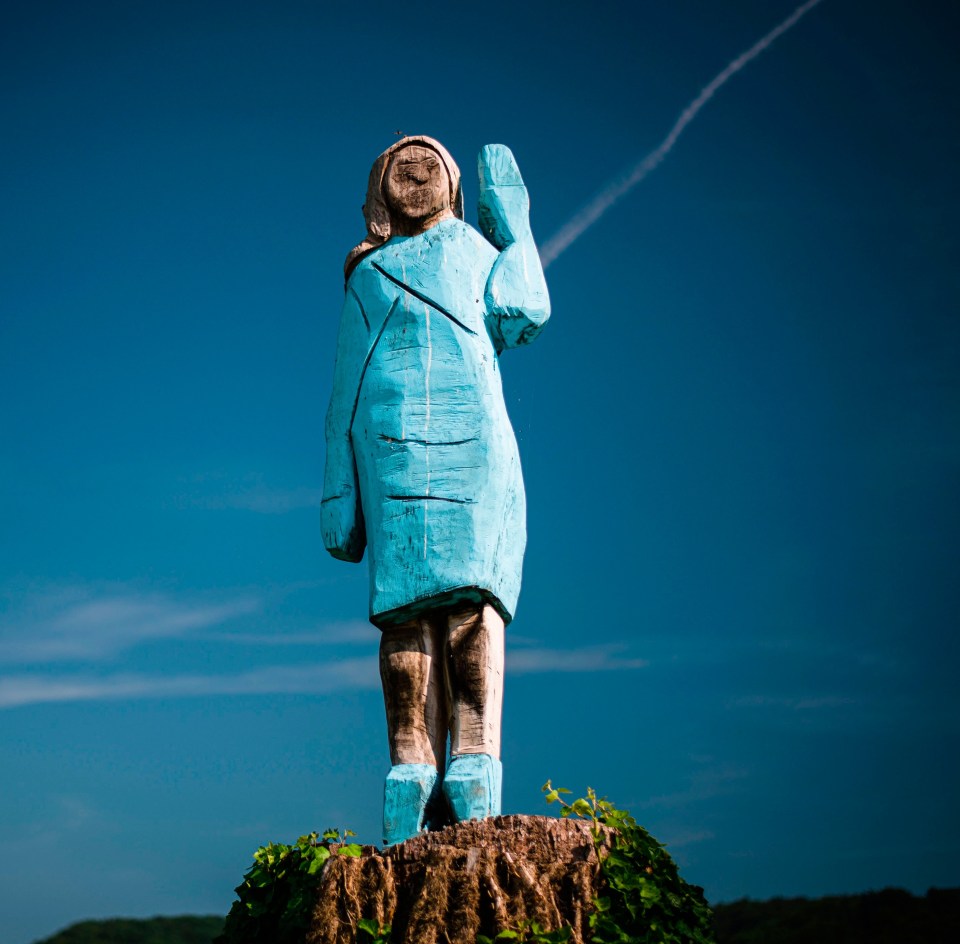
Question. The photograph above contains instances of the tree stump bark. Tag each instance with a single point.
(476, 877)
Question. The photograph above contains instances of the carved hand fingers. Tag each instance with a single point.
(504, 207)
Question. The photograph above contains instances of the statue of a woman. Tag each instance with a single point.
(422, 463)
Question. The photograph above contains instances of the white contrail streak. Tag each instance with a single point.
(579, 224)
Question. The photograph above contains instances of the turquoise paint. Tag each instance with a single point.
(406, 792)
(473, 785)
(422, 463)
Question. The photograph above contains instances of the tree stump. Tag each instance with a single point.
(476, 877)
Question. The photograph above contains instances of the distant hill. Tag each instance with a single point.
(186, 929)
(892, 916)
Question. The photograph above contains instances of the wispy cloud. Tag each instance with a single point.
(361, 673)
(318, 678)
(704, 784)
(262, 500)
(345, 633)
(59, 625)
(792, 703)
(66, 819)
(587, 659)
(247, 492)
(688, 837)
(614, 192)
(86, 623)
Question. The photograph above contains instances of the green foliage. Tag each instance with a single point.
(277, 895)
(529, 932)
(645, 901)
(370, 932)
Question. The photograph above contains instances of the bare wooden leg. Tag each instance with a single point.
(442, 670)
(411, 670)
(474, 676)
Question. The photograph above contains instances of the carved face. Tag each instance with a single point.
(416, 185)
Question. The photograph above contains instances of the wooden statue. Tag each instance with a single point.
(422, 463)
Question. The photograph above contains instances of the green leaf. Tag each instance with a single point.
(582, 807)
(649, 891)
(319, 861)
(645, 900)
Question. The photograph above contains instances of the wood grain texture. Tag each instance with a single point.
(414, 692)
(474, 680)
(469, 879)
(442, 674)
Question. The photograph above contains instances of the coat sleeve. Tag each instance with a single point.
(516, 299)
(341, 512)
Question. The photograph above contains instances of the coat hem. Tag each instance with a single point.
(449, 600)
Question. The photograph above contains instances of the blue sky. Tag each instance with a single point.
(739, 435)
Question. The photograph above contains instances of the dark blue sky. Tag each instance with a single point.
(739, 435)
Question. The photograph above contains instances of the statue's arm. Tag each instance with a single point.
(341, 513)
(517, 302)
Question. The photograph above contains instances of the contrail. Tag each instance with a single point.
(592, 212)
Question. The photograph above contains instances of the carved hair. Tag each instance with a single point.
(375, 210)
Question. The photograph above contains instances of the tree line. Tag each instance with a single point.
(891, 916)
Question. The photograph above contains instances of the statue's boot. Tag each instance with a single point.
(473, 785)
(407, 791)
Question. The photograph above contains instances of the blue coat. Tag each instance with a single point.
(422, 463)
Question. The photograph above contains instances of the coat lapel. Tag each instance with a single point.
(428, 267)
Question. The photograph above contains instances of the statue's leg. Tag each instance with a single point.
(411, 669)
(474, 676)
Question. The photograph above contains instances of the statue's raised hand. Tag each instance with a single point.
(516, 294)
(503, 209)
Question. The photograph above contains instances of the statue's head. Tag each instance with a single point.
(413, 185)
(416, 189)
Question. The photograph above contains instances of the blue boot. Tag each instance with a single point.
(405, 795)
(473, 785)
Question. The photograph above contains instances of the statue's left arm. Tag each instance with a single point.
(341, 511)
(516, 299)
